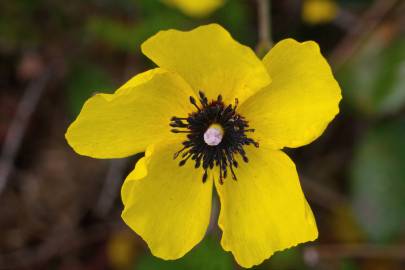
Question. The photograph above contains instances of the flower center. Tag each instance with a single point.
(216, 133)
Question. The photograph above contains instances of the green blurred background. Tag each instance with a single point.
(59, 210)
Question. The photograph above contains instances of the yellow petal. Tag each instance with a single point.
(264, 210)
(210, 60)
(319, 11)
(136, 115)
(170, 206)
(139, 79)
(300, 102)
(140, 171)
(200, 8)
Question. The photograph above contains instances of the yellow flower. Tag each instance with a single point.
(213, 113)
(192, 8)
(319, 11)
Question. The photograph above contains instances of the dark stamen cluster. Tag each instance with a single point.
(196, 124)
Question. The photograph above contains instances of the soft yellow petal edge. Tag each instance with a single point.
(312, 238)
(288, 113)
(319, 129)
(210, 60)
(168, 208)
(334, 108)
(136, 115)
(140, 171)
(311, 234)
(196, 8)
(139, 79)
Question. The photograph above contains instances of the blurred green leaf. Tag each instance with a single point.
(236, 18)
(345, 225)
(19, 32)
(378, 181)
(129, 36)
(84, 81)
(288, 259)
(116, 34)
(149, 8)
(347, 264)
(208, 255)
(374, 81)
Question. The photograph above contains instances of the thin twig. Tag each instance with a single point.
(264, 26)
(56, 246)
(116, 168)
(18, 126)
(353, 41)
(315, 254)
(111, 186)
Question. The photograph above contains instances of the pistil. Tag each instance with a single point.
(213, 135)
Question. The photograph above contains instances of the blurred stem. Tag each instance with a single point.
(359, 33)
(355, 250)
(15, 133)
(264, 27)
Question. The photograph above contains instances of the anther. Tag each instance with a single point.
(205, 176)
(203, 98)
(193, 101)
(179, 131)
